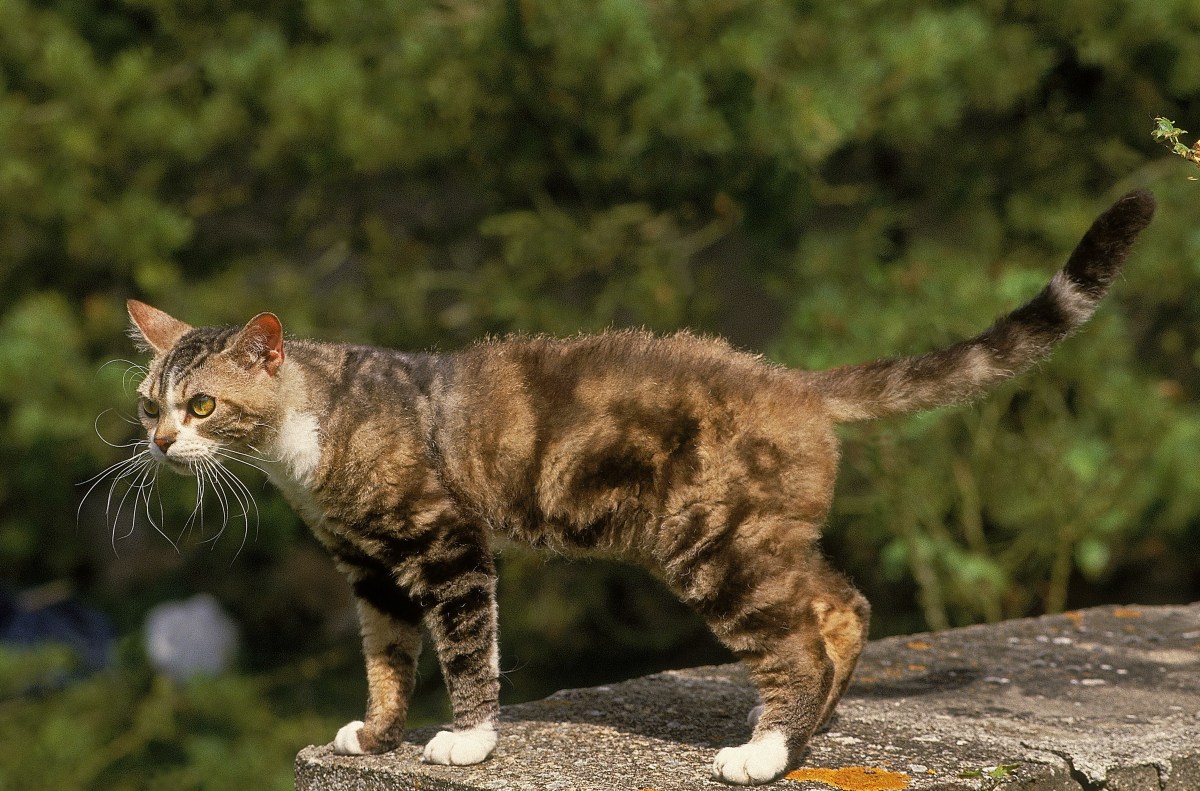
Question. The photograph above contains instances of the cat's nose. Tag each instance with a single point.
(164, 441)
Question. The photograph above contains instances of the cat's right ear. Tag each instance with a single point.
(260, 343)
(151, 329)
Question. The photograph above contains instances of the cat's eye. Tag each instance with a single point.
(202, 405)
(150, 408)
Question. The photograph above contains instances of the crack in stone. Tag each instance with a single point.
(1078, 775)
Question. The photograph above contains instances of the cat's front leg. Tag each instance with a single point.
(391, 634)
(462, 623)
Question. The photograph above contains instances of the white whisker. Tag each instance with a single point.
(145, 493)
(261, 455)
(106, 441)
(245, 499)
(211, 467)
(196, 517)
(132, 372)
(142, 480)
(243, 458)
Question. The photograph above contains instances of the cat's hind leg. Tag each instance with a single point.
(794, 677)
(767, 593)
(801, 658)
(843, 615)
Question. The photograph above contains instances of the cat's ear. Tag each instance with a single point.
(260, 343)
(151, 329)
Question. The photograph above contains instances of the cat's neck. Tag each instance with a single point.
(296, 448)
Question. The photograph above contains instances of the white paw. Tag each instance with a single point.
(460, 748)
(346, 741)
(759, 761)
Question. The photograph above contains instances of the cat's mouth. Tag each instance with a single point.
(177, 466)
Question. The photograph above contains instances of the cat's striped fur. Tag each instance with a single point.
(711, 467)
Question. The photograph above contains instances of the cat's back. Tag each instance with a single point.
(580, 426)
(621, 360)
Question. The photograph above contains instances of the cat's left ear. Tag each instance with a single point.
(260, 343)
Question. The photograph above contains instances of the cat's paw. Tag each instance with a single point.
(460, 748)
(760, 761)
(346, 741)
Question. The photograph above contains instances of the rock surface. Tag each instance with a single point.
(1106, 699)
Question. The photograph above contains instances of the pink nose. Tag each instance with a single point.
(164, 441)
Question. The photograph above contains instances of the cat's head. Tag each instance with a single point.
(209, 391)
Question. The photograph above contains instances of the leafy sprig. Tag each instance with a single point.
(1166, 133)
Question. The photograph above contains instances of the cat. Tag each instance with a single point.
(711, 467)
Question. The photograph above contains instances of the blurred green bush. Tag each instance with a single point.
(824, 182)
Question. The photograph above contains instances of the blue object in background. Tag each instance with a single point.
(61, 620)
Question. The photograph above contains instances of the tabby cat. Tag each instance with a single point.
(711, 467)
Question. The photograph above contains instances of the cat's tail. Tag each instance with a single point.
(1010, 346)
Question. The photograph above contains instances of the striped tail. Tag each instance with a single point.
(1010, 346)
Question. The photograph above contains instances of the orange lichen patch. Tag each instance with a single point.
(1074, 616)
(1125, 612)
(917, 668)
(919, 645)
(854, 778)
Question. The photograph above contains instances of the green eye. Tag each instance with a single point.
(202, 405)
(150, 407)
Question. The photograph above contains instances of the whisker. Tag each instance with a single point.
(133, 490)
(196, 517)
(234, 455)
(96, 429)
(111, 468)
(145, 491)
(262, 456)
(132, 371)
(212, 468)
(131, 469)
(245, 499)
(142, 473)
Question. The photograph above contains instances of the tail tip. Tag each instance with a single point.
(1136, 207)
(1101, 253)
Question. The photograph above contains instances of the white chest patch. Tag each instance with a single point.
(295, 455)
(298, 446)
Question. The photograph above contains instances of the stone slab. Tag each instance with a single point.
(1105, 699)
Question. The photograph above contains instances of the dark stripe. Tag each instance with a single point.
(191, 350)
(458, 561)
(386, 596)
(475, 663)
(454, 611)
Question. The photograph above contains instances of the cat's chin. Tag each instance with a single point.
(178, 467)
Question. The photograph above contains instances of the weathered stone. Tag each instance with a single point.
(1132, 778)
(1184, 775)
(1106, 699)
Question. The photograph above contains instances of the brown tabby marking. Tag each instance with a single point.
(709, 466)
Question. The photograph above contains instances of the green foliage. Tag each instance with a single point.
(824, 182)
(133, 730)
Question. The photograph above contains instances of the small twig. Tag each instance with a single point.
(1166, 133)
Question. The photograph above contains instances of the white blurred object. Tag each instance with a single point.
(190, 637)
